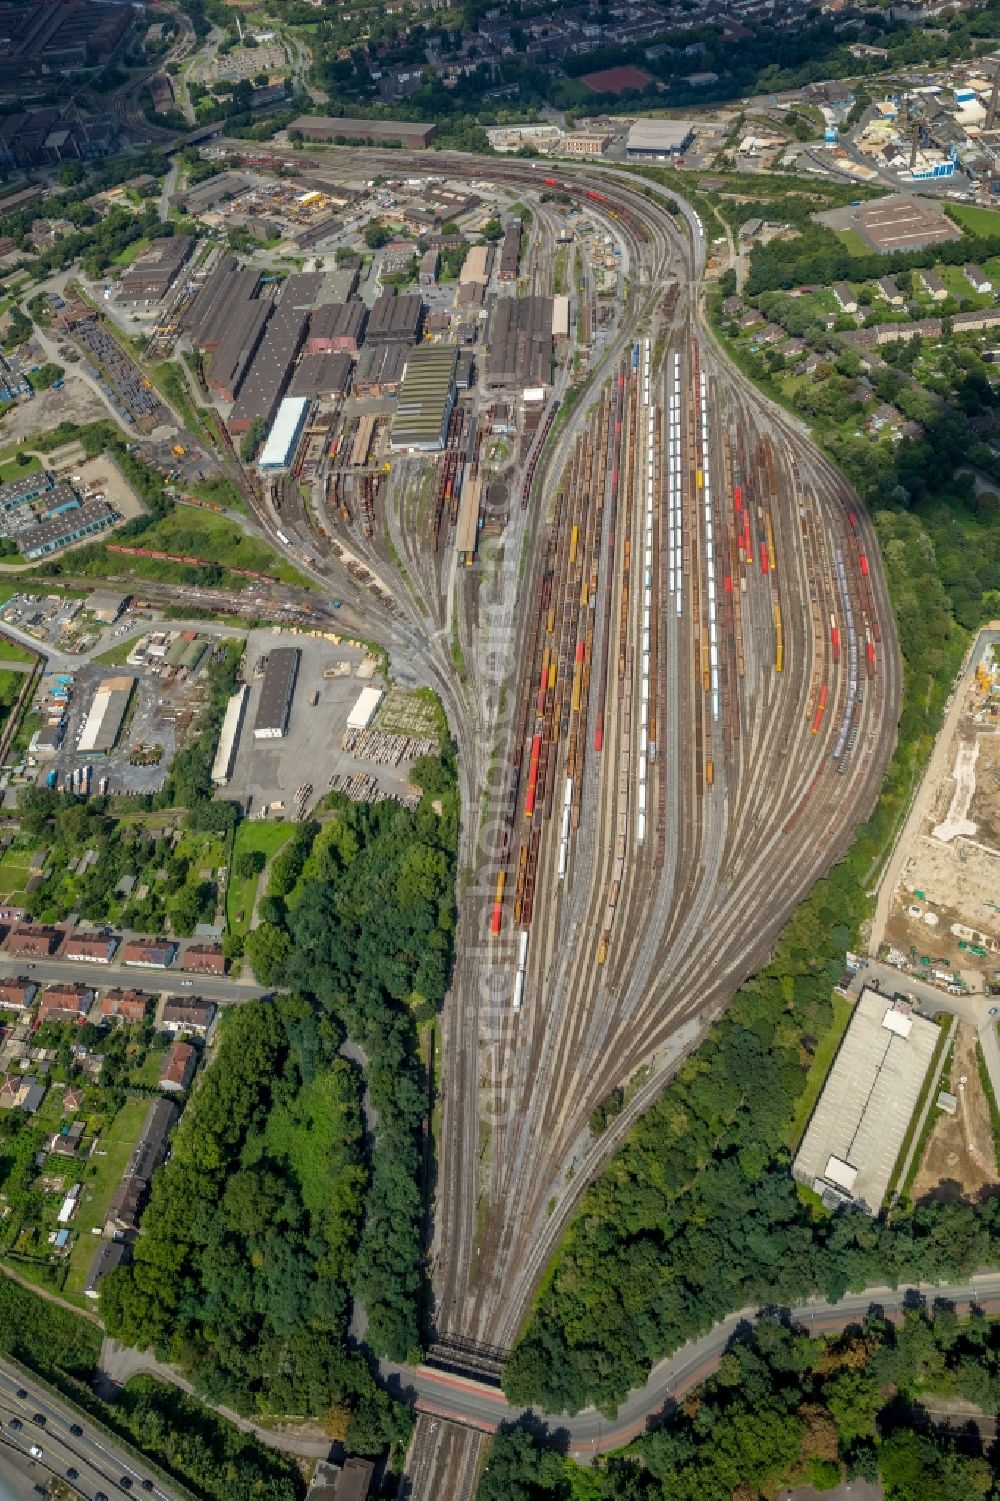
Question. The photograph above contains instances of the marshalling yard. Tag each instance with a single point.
(657, 622)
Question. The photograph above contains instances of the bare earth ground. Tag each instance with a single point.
(75, 402)
(960, 1160)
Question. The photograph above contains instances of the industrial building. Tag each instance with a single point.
(857, 1129)
(321, 376)
(267, 378)
(659, 138)
(80, 521)
(902, 223)
(467, 531)
(107, 714)
(21, 492)
(276, 693)
(337, 328)
(363, 711)
(510, 252)
(396, 319)
(225, 291)
(238, 346)
(560, 316)
(229, 739)
(282, 440)
(412, 134)
(520, 345)
(380, 369)
(477, 266)
(151, 277)
(426, 398)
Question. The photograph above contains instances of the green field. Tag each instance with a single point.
(853, 242)
(132, 252)
(14, 876)
(818, 1070)
(10, 469)
(978, 221)
(260, 835)
(11, 684)
(202, 534)
(13, 651)
(101, 1177)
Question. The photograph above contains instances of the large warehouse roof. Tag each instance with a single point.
(104, 722)
(276, 693)
(282, 438)
(426, 397)
(662, 137)
(858, 1126)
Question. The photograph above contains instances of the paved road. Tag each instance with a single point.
(99, 1463)
(224, 990)
(590, 1432)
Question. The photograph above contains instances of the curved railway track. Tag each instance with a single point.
(736, 753)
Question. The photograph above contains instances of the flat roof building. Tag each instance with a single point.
(426, 399)
(520, 348)
(267, 378)
(72, 525)
(322, 376)
(396, 319)
(363, 712)
(860, 1122)
(229, 738)
(337, 327)
(659, 138)
(477, 265)
(276, 693)
(413, 134)
(107, 714)
(282, 441)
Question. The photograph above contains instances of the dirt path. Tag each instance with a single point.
(49, 1296)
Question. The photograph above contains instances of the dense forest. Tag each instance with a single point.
(273, 1209)
(786, 1409)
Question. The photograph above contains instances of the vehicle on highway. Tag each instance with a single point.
(100, 1496)
(76, 1430)
(72, 1473)
(125, 1481)
(21, 1393)
(39, 1418)
(16, 1424)
(35, 1451)
(147, 1485)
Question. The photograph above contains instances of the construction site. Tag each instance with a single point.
(944, 918)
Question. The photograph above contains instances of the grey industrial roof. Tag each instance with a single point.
(425, 397)
(239, 343)
(339, 320)
(520, 351)
(302, 289)
(380, 365)
(658, 135)
(396, 319)
(265, 382)
(861, 1119)
(93, 515)
(321, 375)
(276, 689)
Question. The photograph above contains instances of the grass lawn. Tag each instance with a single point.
(14, 874)
(955, 280)
(978, 221)
(117, 656)
(202, 534)
(132, 252)
(853, 241)
(101, 1176)
(13, 651)
(260, 835)
(10, 469)
(11, 684)
(148, 1074)
(818, 1070)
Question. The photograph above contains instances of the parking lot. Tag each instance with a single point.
(268, 773)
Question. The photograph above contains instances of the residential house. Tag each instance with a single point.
(91, 948)
(107, 1258)
(21, 1092)
(126, 1205)
(66, 1140)
(751, 318)
(17, 995)
(149, 953)
(191, 1015)
(179, 1066)
(772, 333)
(29, 942)
(123, 1005)
(61, 1003)
(151, 1148)
(204, 959)
(933, 285)
(846, 299)
(889, 291)
(977, 278)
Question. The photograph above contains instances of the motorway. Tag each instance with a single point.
(91, 1463)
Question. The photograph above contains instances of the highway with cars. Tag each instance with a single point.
(43, 1438)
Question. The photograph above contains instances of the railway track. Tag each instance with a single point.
(656, 642)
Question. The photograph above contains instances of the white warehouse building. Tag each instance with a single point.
(279, 450)
(232, 724)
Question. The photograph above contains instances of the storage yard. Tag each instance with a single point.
(332, 689)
